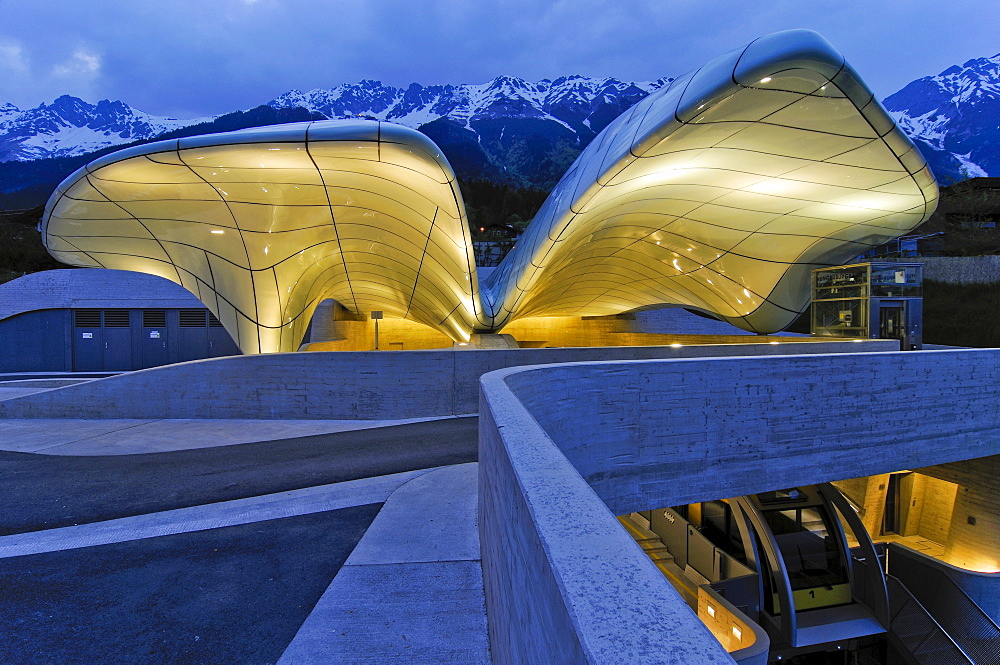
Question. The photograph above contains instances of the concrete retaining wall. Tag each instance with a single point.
(346, 385)
(560, 445)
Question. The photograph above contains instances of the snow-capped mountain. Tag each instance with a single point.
(520, 132)
(507, 129)
(70, 126)
(954, 118)
(569, 100)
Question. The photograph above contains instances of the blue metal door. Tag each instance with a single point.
(88, 341)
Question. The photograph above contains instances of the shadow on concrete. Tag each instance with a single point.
(48, 491)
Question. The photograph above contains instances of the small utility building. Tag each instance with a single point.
(103, 320)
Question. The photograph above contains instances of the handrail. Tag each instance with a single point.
(947, 652)
(949, 605)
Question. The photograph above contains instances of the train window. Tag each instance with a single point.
(812, 555)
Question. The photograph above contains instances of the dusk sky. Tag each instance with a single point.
(190, 58)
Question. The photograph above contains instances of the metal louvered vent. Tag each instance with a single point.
(192, 318)
(154, 318)
(213, 322)
(87, 318)
(116, 318)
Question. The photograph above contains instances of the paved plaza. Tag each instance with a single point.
(196, 541)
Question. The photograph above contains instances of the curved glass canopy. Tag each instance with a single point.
(721, 192)
(718, 192)
(264, 224)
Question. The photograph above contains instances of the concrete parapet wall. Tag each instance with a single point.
(981, 587)
(345, 385)
(564, 582)
(564, 448)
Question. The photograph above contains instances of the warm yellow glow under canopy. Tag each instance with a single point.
(720, 192)
(262, 225)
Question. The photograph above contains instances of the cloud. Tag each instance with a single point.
(81, 63)
(12, 58)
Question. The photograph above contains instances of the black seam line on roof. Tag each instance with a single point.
(423, 254)
(809, 161)
(783, 176)
(913, 147)
(333, 220)
(241, 183)
(214, 290)
(417, 215)
(209, 224)
(300, 249)
(449, 315)
(436, 301)
(402, 268)
(665, 92)
(714, 202)
(774, 216)
(478, 313)
(236, 224)
(322, 291)
(693, 122)
(666, 228)
(214, 296)
(78, 250)
(137, 220)
(247, 230)
(731, 250)
(47, 217)
(709, 268)
(283, 311)
(305, 141)
(405, 243)
(601, 188)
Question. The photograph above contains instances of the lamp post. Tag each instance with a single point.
(375, 317)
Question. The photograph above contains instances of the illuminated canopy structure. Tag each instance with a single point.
(720, 192)
(264, 224)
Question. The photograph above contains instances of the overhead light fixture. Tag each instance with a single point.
(766, 79)
(218, 232)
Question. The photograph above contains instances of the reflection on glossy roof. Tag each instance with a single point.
(718, 192)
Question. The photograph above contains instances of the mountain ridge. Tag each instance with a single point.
(506, 130)
(954, 118)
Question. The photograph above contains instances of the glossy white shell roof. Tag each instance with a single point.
(718, 192)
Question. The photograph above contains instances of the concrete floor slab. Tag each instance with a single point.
(82, 437)
(397, 613)
(443, 502)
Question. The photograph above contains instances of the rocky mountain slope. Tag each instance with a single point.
(70, 126)
(954, 118)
